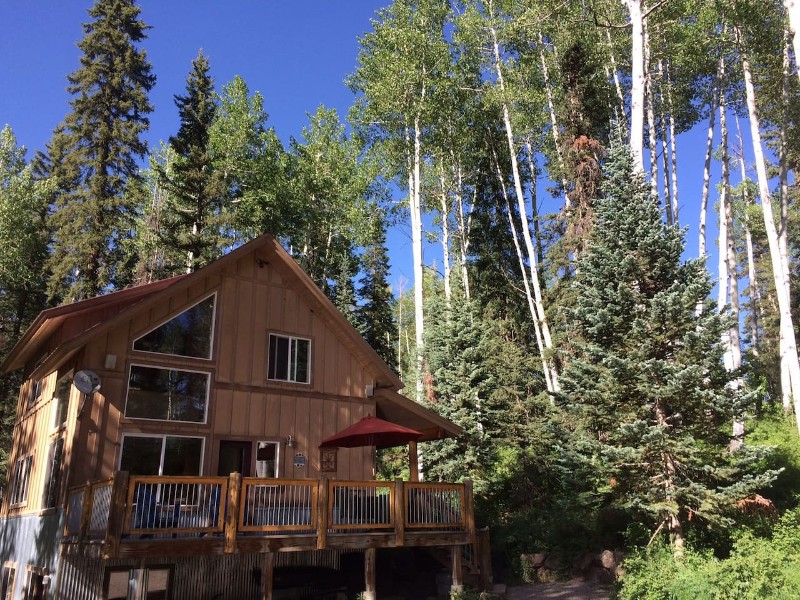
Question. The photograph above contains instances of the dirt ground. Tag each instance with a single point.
(577, 589)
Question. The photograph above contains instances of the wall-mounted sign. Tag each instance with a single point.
(299, 460)
(327, 459)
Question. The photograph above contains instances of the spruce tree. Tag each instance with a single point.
(644, 374)
(195, 206)
(95, 150)
(377, 322)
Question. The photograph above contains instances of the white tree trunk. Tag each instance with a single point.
(617, 85)
(752, 278)
(672, 144)
(637, 81)
(701, 238)
(553, 120)
(415, 211)
(793, 11)
(780, 276)
(651, 119)
(523, 213)
(445, 210)
(724, 200)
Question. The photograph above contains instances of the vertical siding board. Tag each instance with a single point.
(243, 367)
(275, 312)
(256, 421)
(290, 303)
(318, 357)
(259, 332)
(222, 412)
(344, 418)
(287, 425)
(244, 266)
(226, 330)
(239, 413)
(330, 379)
(315, 437)
(303, 433)
(273, 416)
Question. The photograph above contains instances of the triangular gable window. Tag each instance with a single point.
(187, 334)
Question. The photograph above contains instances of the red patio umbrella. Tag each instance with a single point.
(371, 431)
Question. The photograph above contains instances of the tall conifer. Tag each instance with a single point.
(94, 151)
(195, 208)
(645, 373)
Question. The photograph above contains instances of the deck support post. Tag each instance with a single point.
(86, 515)
(399, 513)
(232, 518)
(413, 462)
(458, 583)
(116, 514)
(269, 565)
(322, 513)
(369, 574)
(484, 558)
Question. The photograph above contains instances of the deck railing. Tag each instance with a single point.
(235, 509)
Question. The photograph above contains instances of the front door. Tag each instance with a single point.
(234, 457)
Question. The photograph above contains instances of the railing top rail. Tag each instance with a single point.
(433, 485)
(375, 484)
(274, 481)
(168, 479)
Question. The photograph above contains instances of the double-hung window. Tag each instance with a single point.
(21, 480)
(161, 455)
(289, 359)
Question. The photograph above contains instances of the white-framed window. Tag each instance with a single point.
(267, 459)
(190, 333)
(37, 583)
(7, 582)
(144, 454)
(289, 358)
(52, 479)
(152, 583)
(164, 394)
(20, 481)
(61, 400)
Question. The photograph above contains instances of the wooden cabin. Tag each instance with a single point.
(190, 467)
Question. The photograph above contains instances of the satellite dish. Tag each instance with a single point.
(87, 382)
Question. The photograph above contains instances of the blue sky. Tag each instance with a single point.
(297, 54)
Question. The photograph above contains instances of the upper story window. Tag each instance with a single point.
(289, 359)
(52, 479)
(20, 481)
(35, 391)
(187, 334)
(167, 394)
(61, 401)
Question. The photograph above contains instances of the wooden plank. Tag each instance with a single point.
(315, 411)
(399, 515)
(345, 372)
(116, 515)
(86, 513)
(369, 574)
(302, 409)
(226, 330)
(291, 305)
(222, 412)
(257, 418)
(240, 413)
(288, 421)
(457, 585)
(232, 518)
(322, 513)
(260, 336)
(413, 461)
(469, 511)
(275, 312)
(273, 416)
(484, 558)
(269, 565)
(245, 266)
(330, 383)
(243, 366)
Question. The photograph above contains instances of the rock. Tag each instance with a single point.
(601, 575)
(499, 589)
(535, 560)
(546, 575)
(553, 562)
(608, 560)
(583, 563)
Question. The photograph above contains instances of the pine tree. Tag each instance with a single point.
(645, 374)
(94, 151)
(195, 209)
(377, 322)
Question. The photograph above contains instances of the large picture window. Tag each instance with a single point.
(161, 455)
(61, 401)
(289, 359)
(167, 394)
(52, 479)
(187, 334)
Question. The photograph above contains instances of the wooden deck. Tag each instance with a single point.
(133, 516)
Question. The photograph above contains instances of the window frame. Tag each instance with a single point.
(52, 485)
(7, 583)
(175, 315)
(168, 368)
(142, 578)
(56, 401)
(290, 338)
(36, 391)
(14, 500)
(163, 437)
(278, 458)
